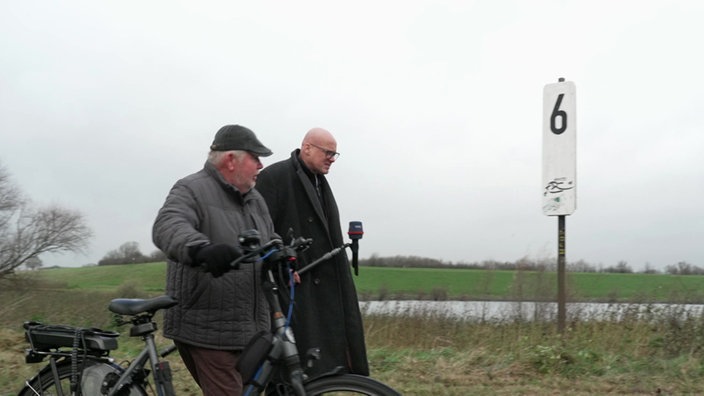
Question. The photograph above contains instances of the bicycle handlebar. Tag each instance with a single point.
(273, 246)
(275, 250)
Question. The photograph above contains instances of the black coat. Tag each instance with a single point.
(326, 311)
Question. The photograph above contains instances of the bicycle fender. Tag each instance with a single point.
(27, 390)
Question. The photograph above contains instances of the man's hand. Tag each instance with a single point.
(216, 258)
(296, 277)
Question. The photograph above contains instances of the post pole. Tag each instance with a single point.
(561, 288)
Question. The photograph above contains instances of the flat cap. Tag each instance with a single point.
(237, 137)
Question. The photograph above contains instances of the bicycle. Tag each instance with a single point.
(273, 354)
(80, 362)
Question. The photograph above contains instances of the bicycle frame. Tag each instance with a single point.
(283, 347)
(90, 348)
(283, 353)
(142, 313)
(160, 369)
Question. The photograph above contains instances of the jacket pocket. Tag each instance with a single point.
(196, 289)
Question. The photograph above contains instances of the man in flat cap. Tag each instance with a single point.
(197, 228)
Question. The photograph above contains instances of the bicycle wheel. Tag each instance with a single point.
(349, 384)
(43, 384)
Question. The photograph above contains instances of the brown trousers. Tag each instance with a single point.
(213, 370)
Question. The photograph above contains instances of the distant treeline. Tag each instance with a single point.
(527, 264)
(129, 253)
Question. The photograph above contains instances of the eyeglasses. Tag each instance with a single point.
(329, 154)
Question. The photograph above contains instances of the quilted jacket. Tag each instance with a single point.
(220, 313)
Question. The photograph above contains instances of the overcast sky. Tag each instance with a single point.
(436, 106)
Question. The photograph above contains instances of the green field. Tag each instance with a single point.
(424, 283)
(658, 354)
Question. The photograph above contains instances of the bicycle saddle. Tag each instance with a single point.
(134, 306)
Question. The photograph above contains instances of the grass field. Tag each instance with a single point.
(658, 354)
(423, 283)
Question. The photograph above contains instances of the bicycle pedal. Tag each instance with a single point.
(312, 355)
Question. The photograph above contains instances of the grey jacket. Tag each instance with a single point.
(225, 312)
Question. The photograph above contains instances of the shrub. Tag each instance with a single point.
(130, 289)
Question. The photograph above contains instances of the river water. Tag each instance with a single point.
(481, 311)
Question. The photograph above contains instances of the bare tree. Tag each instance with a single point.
(33, 263)
(157, 255)
(10, 200)
(649, 269)
(27, 232)
(621, 268)
(581, 266)
(127, 253)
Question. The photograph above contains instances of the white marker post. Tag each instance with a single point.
(559, 171)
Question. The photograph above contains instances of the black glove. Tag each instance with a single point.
(216, 258)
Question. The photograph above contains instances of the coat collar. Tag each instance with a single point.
(212, 171)
(304, 176)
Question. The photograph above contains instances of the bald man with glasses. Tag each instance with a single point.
(326, 314)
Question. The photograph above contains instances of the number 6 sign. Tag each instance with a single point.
(559, 149)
